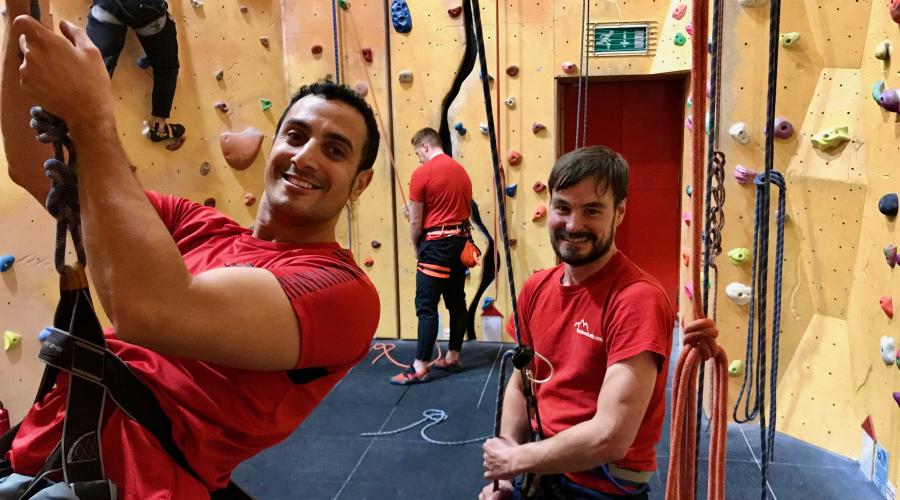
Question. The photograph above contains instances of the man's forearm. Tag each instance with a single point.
(514, 424)
(415, 232)
(580, 447)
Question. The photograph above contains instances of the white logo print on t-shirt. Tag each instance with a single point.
(582, 328)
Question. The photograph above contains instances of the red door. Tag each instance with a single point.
(642, 120)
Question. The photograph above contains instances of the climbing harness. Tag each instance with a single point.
(759, 281)
(699, 336)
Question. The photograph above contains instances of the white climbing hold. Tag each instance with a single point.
(883, 51)
(888, 350)
(752, 3)
(405, 76)
(739, 293)
(510, 102)
(483, 127)
(738, 132)
(196, 4)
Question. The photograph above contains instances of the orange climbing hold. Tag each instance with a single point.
(539, 213)
(514, 157)
(887, 305)
(240, 149)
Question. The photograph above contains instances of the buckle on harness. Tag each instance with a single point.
(522, 357)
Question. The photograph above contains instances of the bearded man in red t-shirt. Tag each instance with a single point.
(606, 328)
(237, 333)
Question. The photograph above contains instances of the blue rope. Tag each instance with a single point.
(334, 31)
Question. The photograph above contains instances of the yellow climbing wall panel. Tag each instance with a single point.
(831, 372)
(216, 36)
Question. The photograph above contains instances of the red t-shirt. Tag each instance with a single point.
(443, 187)
(617, 313)
(222, 416)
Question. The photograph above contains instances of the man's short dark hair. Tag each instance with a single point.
(608, 169)
(332, 91)
(427, 135)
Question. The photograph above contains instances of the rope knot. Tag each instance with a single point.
(49, 128)
(701, 334)
(62, 201)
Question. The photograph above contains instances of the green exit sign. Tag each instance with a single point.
(620, 39)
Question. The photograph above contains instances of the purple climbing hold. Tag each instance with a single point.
(222, 106)
(537, 127)
(376, 244)
(744, 175)
(890, 100)
(890, 255)
(897, 398)
(400, 16)
(783, 128)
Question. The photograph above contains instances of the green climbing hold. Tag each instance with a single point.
(877, 90)
(344, 4)
(680, 39)
(736, 368)
(10, 339)
(739, 256)
(831, 138)
(265, 104)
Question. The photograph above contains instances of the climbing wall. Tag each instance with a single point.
(217, 36)
(831, 374)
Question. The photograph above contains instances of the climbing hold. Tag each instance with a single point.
(877, 91)
(736, 368)
(689, 28)
(888, 204)
(510, 102)
(514, 157)
(196, 4)
(222, 106)
(789, 39)
(690, 102)
(539, 212)
(569, 67)
(890, 255)
(205, 167)
(512, 70)
(783, 128)
(6, 263)
(264, 41)
(405, 76)
(895, 10)
(455, 11)
(686, 259)
(537, 127)
(248, 199)
(400, 16)
(483, 127)
(744, 175)
(143, 62)
(888, 350)
(10, 339)
(243, 9)
(376, 244)
(367, 54)
(219, 74)
(486, 302)
(490, 78)
(686, 217)
(887, 305)
(344, 4)
(689, 190)
(680, 39)
(883, 51)
(361, 89)
(513, 241)
(460, 128)
(738, 132)
(538, 187)
(316, 50)
(209, 202)
(679, 11)
(369, 262)
(897, 394)
(832, 138)
(265, 104)
(240, 149)
(511, 190)
(890, 100)
(689, 123)
(739, 256)
(689, 291)
(739, 293)
(752, 3)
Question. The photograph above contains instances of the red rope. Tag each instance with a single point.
(699, 336)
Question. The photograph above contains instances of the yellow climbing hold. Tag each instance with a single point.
(10, 339)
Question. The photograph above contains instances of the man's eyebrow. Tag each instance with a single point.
(304, 126)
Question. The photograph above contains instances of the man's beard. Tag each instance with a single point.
(595, 251)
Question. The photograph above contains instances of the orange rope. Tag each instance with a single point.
(699, 336)
(386, 349)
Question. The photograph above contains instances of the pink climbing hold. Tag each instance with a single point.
(367, 54)
(569, 67)
(539, 213)
(240, 149)
(890, 255)
(687, 218)
(744, 175)
(361, 88)
(689, 123)
(887, 305)
(248, 199)
(679, 11)
(514, 157)
(538, 187)
(689, 291)
(689, 28)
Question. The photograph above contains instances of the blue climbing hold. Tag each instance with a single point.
(689, 190)
(6, 262)
(486, 302)
(511, 190)
(888, 204)
(42, 336)
(143, 62)
(401, 17)
(460, 128)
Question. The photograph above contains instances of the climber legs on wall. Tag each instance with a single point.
(108, 22)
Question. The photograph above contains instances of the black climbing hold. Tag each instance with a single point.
(376, 244)
(210, 202)
(888, 204)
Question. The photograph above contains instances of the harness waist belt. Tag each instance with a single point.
(621, 473)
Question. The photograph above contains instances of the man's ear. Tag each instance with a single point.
(620, 212)
(360, 183)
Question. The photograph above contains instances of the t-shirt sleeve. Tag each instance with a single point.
(417, 185)
(173, 211)
(640, 319)
(337, 308)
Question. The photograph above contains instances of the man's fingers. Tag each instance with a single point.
(32, 29)
(75, 34)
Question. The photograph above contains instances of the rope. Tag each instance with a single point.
(434, 416)
(700, 334)
(587, 74)
(386, 349)
(334, 32)
(578, 109)
(759, 280)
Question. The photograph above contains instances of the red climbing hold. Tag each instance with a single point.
(249, 199)
(538, 187)
(895, 11)
(887, 305)
(316, 50)
(369, 262)
(514, 157)
(367, 54)
(455, 11)
(686, 259)
(512, 70)
(176, 143)
(240, 149)
(539, 212)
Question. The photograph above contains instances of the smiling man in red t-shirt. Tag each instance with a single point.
(606, 327)
(216, 320)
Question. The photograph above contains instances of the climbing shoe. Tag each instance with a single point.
(157, 133)
(443, 364)
(409, 377)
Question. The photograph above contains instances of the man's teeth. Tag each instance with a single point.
(300, 183)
